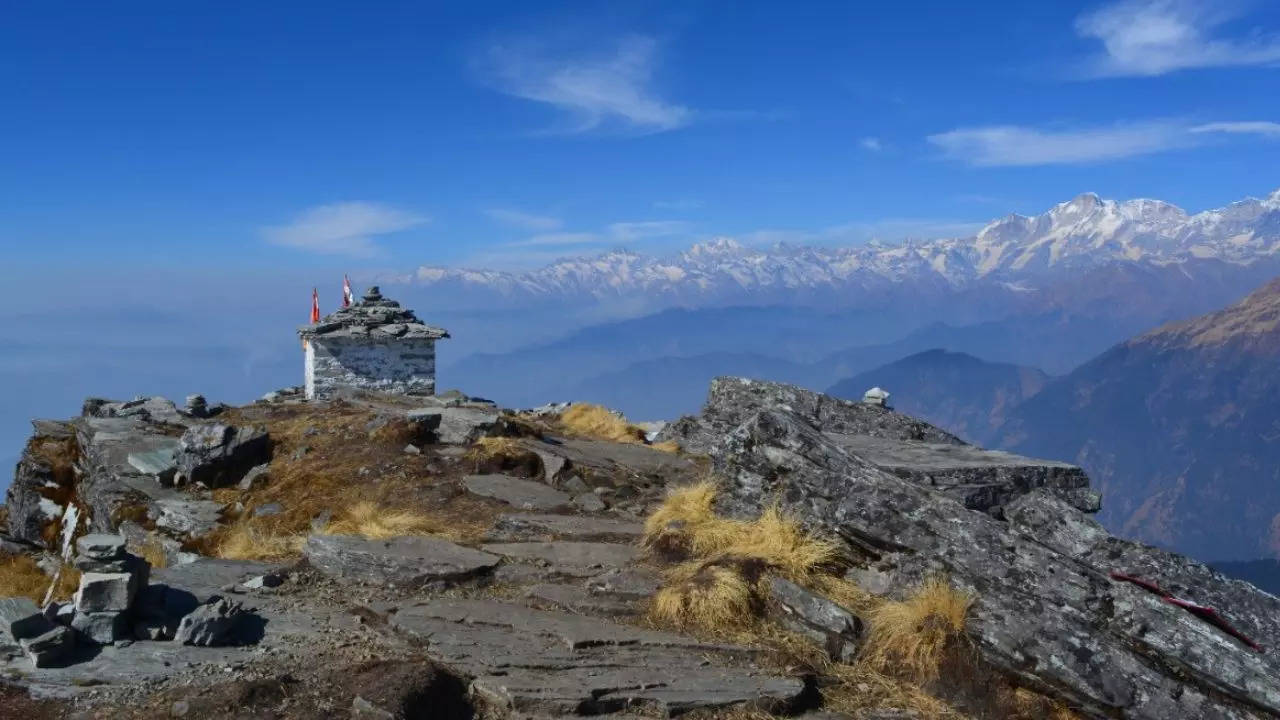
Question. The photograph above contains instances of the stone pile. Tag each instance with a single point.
(109, 584)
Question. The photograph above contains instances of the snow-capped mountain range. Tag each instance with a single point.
(1085, 232)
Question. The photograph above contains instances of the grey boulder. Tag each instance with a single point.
(837, 630)
(216, 454)
(210, 624)
(102, 628)
(51, 647)
(21, 619)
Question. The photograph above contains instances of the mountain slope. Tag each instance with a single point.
(964, 395)
(1180, 428)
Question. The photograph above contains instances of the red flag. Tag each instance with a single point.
(346, 291)
(315, 306)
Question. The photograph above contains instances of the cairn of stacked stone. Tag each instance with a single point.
(109, 583)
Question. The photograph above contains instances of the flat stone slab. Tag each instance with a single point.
(520, 526)
(579, 599)
(413, 560)
(524, 494)
(981, 479)
(556, 663)
(565, 557)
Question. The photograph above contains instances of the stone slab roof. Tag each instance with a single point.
(373, 316)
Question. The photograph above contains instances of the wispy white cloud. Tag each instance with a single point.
(611, 89)
(629, 231)
(612, 234)
(1015, 145)
(347, 228)
(1154, 37)
(558, 239)
(523, 220)
(1264, 128)
(871, 143)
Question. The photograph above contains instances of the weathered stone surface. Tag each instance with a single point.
(589, 503)
(580, 600)
(34, 498)
(21, 619)
(101, 546)
(981, 479)
(524, 494)
(102, 628)
(108, 592)
(162, 462)
(567, 558)
(50, 648)
(554, 466)
(732, 401)
(831, 626)
(554, 663)
(216, 454)
(210, 624)
(465, 425)
(521, 526)
(633, 583)
(400, 561)
(1045, 611)
(187, 517)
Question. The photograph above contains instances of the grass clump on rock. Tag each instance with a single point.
(720, 562)
(373, 522)
(20, 576)
(715, 584)
(600, 423)
(909, 637)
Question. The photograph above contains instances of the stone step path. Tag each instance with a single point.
(523, 494)
(545, 662)
(519, 527)
(566, 558)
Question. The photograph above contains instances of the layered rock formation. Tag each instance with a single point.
(1047, 611)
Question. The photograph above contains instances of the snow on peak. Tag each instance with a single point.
(1084, 231)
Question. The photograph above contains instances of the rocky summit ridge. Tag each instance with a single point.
(527, 596)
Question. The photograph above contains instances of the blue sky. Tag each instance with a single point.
(284, 138)
(175, 177)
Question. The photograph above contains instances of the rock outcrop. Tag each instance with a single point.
(1046, 612)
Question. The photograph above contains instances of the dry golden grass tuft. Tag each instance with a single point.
(714, 590)
(668, 446)
(247, 540)
(153, 552)
(909, 637)
(324, 456)
(707, 597)
(369, 520)
(1024, 704)
(595, 421)
(21, 577)
(503, 454)
(686, 526)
